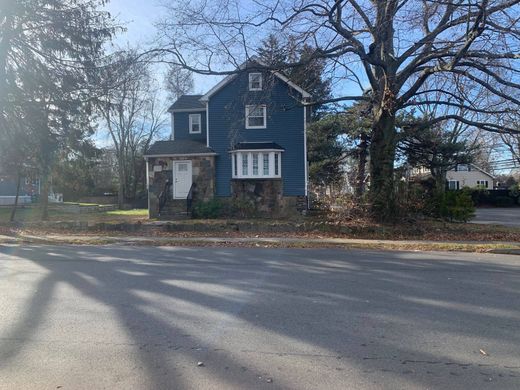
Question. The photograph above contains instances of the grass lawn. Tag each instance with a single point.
(129, 213)
(320, 227)
(33, 214)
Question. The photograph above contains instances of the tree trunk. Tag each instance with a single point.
(439, 177)
(362, 162)
(44, 198)
(121, 185)
(18, 183)
(382, 156)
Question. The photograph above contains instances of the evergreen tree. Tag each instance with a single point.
(47, 52)
(309, 76)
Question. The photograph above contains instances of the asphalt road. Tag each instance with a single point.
(509, 216)
(142, 318)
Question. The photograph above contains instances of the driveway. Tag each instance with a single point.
(498, 216)
(111, 317)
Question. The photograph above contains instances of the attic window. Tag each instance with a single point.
(255, 81)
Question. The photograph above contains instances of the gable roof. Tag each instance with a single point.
(483, 171)
(181, 147)
(243, 67)
(477, 168)
(187, 102)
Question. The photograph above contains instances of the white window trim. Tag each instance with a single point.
(260, 175)
(455, 184)
(264, 108)
(191, 123)
(261, 81)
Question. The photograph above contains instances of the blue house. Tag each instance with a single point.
(244, 141)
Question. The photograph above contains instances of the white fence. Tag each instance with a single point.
(9, 200)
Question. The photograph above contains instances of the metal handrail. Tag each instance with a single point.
(189, 198)
(163, 196)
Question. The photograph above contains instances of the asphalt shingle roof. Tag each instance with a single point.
(178, 147)
(257, 146)
(187, 102)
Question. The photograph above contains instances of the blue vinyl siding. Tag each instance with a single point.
(181, 123)
(285, 126)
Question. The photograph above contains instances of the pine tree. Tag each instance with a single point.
(47, 52)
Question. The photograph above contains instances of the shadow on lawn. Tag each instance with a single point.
(359, 308)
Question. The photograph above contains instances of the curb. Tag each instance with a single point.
(273, 242)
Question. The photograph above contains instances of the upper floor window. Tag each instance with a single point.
(256, 117)
(463, 167)
(255, 81)
(195, 123)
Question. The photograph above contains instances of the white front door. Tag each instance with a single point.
(181, 179)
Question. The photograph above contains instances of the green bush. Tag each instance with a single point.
(504, 201)
(457, 206)
(208, 210)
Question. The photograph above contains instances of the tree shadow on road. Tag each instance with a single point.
(383, 313)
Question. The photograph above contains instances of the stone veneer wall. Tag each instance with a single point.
(203, 176)
(264, 197)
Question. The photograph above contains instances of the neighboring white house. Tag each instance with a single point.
(469, 175)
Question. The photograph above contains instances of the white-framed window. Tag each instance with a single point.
(265, 163)
(453, 185)
(482, 183)
(256, 117)
(256, 164)
(255, 81)
(463, 167)
(195, 124)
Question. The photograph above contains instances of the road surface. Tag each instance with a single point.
(108, 317)
(506, 216)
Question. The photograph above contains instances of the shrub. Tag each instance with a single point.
(457, 206)
(209, 210)
(504, 201)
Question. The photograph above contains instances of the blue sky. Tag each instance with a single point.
(139, 16)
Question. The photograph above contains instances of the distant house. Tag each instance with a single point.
(244, 140)
(28, 189)
(469, 175)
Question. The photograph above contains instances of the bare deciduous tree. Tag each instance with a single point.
(405, 53)
(178, 81)
(131, 116)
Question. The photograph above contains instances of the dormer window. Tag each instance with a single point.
(195, 126)
(255, 81)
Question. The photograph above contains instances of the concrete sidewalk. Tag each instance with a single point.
(282, 242)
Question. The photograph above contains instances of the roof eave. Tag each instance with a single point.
(181, 154)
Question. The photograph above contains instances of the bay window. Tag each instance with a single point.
(256, 164)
